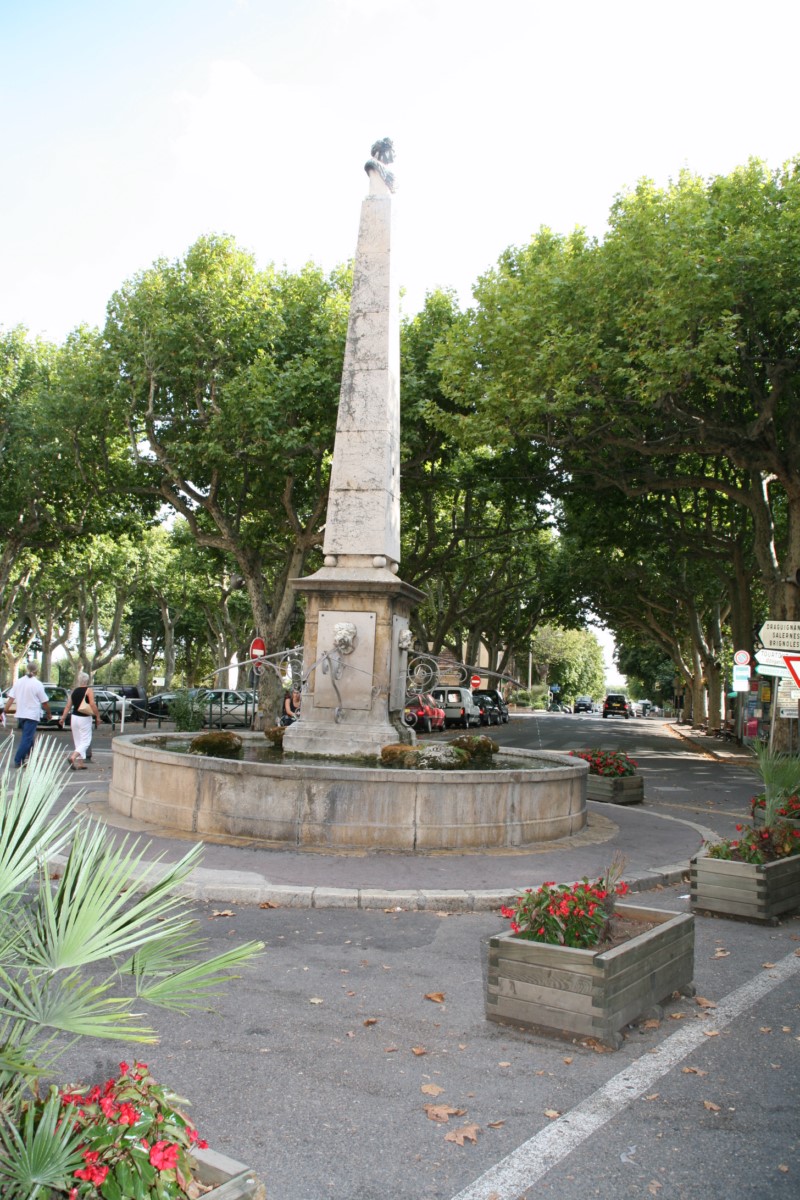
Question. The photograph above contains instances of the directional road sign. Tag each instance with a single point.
(780, 635)
(771, 656)
(770, 669)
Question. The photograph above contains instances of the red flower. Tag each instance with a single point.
(127, 1115)
(164, 1156)
(123, 1068)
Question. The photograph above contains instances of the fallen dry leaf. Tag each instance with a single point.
(552, 1113)
(431, 1089)
(567, 1061)
(437, 997)
(678, 1016)
(711, 1033)
(652, 1096)
(711, 1106)
(418, 1050)
(701, 1002)
(768, 966)
(460, 1135)
(654, 1187)
(268, 904)
(650, 1023)
(222, 912)
(504, 1064)
(783, 1167)
(693, 1071)
(316, 1000)
(765, 1029)
(496, 1124)
(598, 1047)
(442, 1112)
(371, 1021)
(390, 1049)
(786, 1029)
(722, 953)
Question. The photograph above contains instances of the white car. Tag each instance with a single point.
(111, 705)
(224, 706)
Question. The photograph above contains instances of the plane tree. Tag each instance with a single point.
(228, 382)
(665, 357)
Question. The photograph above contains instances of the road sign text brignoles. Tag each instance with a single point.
(780, 635)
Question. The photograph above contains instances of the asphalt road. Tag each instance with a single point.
(312, 1068)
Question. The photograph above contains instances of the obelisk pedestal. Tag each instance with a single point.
(357, 608)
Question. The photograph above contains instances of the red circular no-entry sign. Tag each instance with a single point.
(475, 681)
(258, 648)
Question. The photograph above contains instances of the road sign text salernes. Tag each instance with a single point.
(780, 635)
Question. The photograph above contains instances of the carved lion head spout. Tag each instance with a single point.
(345, 636)
(406, 639)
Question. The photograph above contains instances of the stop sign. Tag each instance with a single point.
(258, 648)
(475, 681)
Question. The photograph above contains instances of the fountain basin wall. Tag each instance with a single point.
(343, 807)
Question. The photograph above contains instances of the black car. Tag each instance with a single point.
(496, 697)
(616, 704)
(584, 704)
(490, 713)
(136, 695)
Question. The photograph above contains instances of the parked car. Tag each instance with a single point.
(584, 704)
(423, 713)
(112, 706)
(490, 713)
(224, 706)
(57, 698)
(497, 699)
(642, 708)
(160, 705)
(459, 706)
(616, 704)
(132, 692)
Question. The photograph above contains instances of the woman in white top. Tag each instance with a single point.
(84, 718)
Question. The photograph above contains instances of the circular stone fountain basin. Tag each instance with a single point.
(337, 806)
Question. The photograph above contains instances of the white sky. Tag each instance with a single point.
(132, 127)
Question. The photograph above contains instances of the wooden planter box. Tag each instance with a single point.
(628, 789)
(229, 1180)
(590, 993)
(735, 889)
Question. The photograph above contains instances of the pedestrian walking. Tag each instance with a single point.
(85, 717)
(28, 698)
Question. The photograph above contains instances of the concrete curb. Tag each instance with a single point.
(248, 888)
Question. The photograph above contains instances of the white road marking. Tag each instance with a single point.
(518, 1171)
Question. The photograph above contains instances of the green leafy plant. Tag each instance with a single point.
(562, 914)
(187, 710)
(614, 764)
(780, 774)
(787, 809)
(78, 953)
(764, 845)
(135, 1140)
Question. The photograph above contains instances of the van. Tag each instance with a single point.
(459, 706)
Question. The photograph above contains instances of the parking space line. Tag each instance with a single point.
(518, 1171)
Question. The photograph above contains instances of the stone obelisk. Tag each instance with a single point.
(357, 607)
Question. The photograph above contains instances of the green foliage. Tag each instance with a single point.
(79, 953)
(780, 774)
(187, 710)
(612, 764)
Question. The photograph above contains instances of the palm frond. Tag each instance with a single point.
(191, 986)
(94, 913)
(38, 1154)
(780, 774)
(28, 829)
(72, 1005)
